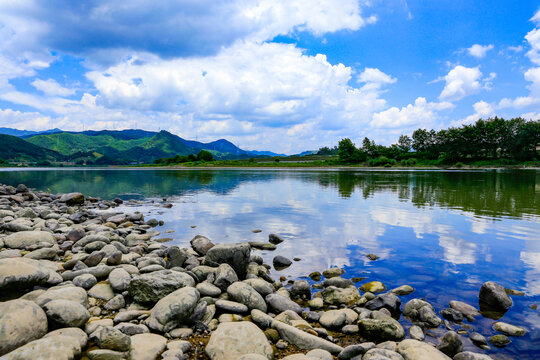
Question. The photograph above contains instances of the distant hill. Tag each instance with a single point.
(14, 149)
(25, 133)
(264, 153)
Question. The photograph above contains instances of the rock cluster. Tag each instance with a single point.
(77, 279)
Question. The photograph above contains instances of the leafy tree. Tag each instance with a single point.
(204, 155)
(404, 143)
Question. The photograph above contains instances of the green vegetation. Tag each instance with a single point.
(202, 156)
(14, 150)
(493, 142)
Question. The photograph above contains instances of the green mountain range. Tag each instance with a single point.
(109, 147)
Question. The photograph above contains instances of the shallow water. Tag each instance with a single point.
(443, 232)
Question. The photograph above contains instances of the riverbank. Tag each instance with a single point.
(99, 282)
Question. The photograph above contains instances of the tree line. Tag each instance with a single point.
(202, 155)
(495, 139)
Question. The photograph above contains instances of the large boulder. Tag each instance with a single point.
(174, 309)
(74, 198)
(388, 301)
(147, 346)
(72, 293)
(152, 287)
(421, 312)
(58, 347)
(418, 350)
(201, 244)
(382, 329)
(232, 340)
(23, 273)
(225, 276)
(245, 294)
(66, 313)
(495, 296)
(336, 296)
(21, 321)
(25, 239)
(236, 255)
(280, 304)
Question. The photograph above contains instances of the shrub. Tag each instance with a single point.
(381, 161)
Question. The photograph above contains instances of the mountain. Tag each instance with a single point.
(14, 149)
(25, 133)
(263, 153)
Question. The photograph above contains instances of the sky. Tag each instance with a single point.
(278, 75)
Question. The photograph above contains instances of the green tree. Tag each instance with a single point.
(204, 155)
(404, 143)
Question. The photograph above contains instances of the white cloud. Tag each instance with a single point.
(375, 78)
(461, 81)
(479, 51)
(268, 84)
(52, 87)
(421, 113)
(482, 110)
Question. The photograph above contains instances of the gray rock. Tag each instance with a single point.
(75, 198)
(499, 340)
(421, 312)
(333, 272)
(95, 258)
(76, 333)
(21, 321)
(132, 329)
(338, 281)
(388, 301)
(21, 273)
(153, 286)
(280, 303)
(464, 308)
(175, 257)
(319, 354)
(181, 333)
(381, 354)
(233, 340)
(416, 350)
(275, 239)
(452, 315)
(66, 313)
(403, 290)
(304, 340)
(58, 347)
(477, 338)
(416, 333)
(6, 254)
(102, 291)
(113, 339)
(94, 323)
(245, 294)
(281, 262)
(469, 355)
(42, 254)
(201, 244)
(236, 255)
(119, 279)
(86, 281)
(337, 296)
(301, 289)
(105, 354)
(173, 309)
(509, 329)
(207, 289)
(26, 239)
(147, 346)
(333, 319)
(231, 306)
(450, 344)
(353, 351)
(71, 293)
(225, 276)
(495, 295)
(116, 303)
(381, 329)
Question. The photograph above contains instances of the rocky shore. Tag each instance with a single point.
(79, 280)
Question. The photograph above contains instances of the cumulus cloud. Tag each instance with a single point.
(461, 81)
(479, 51)
(52, 87)
(167, 28)
(269, 83)
(482, 110)
(422, 113)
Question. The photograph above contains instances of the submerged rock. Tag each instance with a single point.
(420, 311)
(495, 295)
(381, 329)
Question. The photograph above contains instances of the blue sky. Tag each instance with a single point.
(281, 75)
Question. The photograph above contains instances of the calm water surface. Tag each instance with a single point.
(443, 232)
